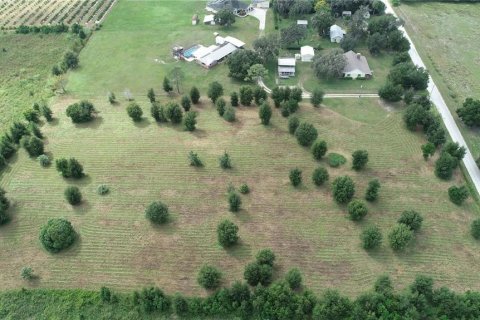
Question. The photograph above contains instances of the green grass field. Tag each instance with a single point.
(141, 163)
(25, 65)
(446, 38)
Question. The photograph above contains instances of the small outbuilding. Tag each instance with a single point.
(286, 67)
(195, 19)
(357, 66)
(347, 14)
(336, 33)
(303, 23)
(209, 19)
(307, 53)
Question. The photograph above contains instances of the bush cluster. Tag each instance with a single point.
(57, 234)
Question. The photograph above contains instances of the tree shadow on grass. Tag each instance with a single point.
(145, 122)
(170, 227)
(240, 251)
(242, 215)
(54, 122)
(200, 133)
(84, 207)
(82, 182)
(94, 124)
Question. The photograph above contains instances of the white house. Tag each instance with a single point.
(336, 33)
(286, 67)
(307, 53)
(357, 66)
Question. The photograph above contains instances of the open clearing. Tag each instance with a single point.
(14, 13)
(25, 65)
(446, 36)
(119, 248)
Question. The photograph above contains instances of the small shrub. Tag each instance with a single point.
(194, 95)
(265, 256)
(105, 294)
(411, 219)
(234, 99)
(400, 236)
(26, 273)
(335, 160)
(111, 98)
(157, 212)
(359, 159)
(357, 210)
(209, 277)
(234, 201)
(343, 189)
(33, 145)
(319, 149)
(57, 234)
(227, 233)
(371, 237)
(265, 113)
(158, 112)
(225, 162)
(256, 273)
(81, 112)
(186, 104)
(458, 194)
(244, 189)
(31, 116)
(294, 278)
(135, 112)
(295, 177)
(44, 160)
(306, 134)
(70, 168)
(103, 189)
(293, 124)
(194, 159)
(180, 305)
(35, 130)
(190, 120)
(151, 95)
(174, 113)
(475, 229)
(372, 190)
(220, 104)
(73, 195)
(229, 114)
(320, 176)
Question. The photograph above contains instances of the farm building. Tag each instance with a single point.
(307, 53)
(286, 67)
(357, 66)
(336, 33)
(238, 7)
(213, 54)
(347, 14)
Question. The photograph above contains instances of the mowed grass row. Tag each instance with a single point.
(446, 36)
(144, 162)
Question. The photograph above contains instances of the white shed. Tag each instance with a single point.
(209, 19)
(336, 33)
(307, 53)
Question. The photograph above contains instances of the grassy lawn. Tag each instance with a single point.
(146, 162)
(25, 65)
(446, 37)
(122, 55)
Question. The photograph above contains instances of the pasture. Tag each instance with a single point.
(446, 36)
(14, 13)
(144, 162)
(25, 66)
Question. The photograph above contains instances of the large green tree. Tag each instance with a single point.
(240, 62)
(329, 65)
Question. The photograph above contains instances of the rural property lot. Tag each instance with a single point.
(446, 36)
(143, 162)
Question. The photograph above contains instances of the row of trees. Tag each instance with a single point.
(283, 300)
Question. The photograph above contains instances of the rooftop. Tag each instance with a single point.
(287, 62)
(355, 61)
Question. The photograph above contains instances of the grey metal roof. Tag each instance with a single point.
(218, 54)
(226, 4)
(286, 69)
(356, 61)
(336, 31)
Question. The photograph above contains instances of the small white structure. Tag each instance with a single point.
(303, 23)
(195, 19)
(307, 53)
(237, 43)
(336, 33)
(357, 66)
(209, 19)
(286, 67)
(261, 4)
(346, 14)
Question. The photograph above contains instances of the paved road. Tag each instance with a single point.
(261, 15)
(442, 108)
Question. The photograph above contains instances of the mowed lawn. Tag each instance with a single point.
(26, 62)
(446, 36)
(145, 162)
(135, 34)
